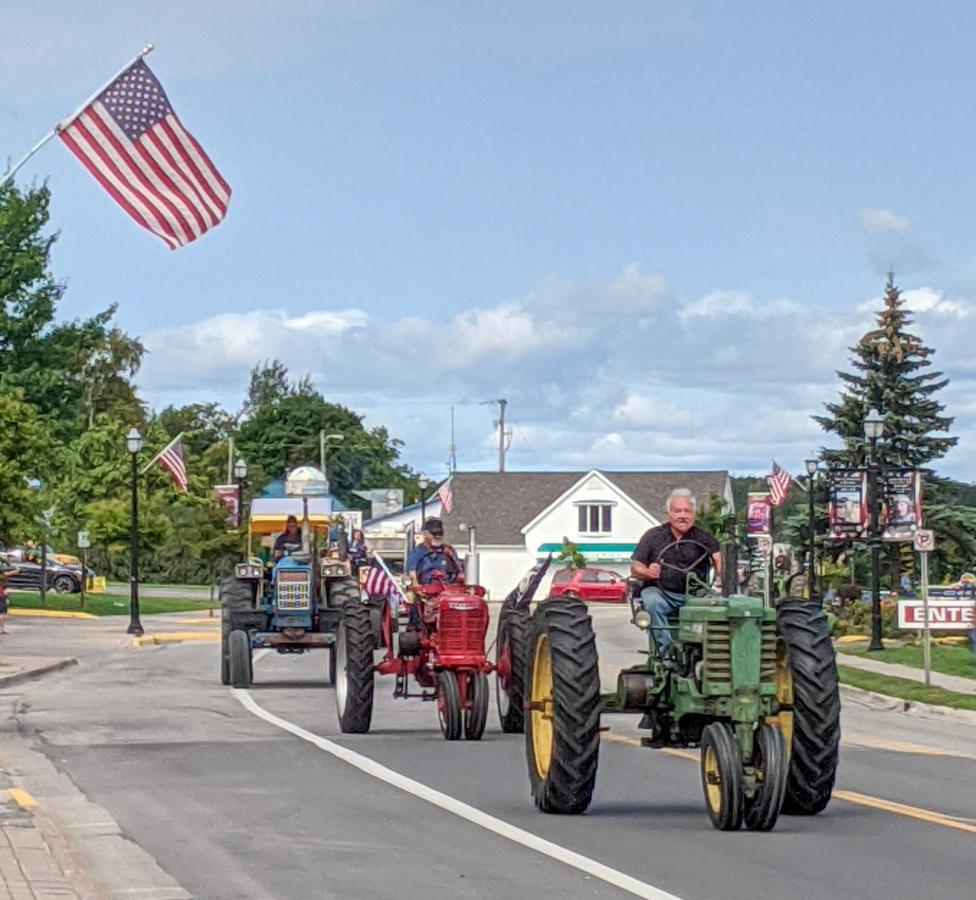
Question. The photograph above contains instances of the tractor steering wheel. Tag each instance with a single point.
(689, 569)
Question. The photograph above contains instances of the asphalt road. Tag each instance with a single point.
(234, 806)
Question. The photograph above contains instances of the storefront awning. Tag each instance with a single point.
(594, 552)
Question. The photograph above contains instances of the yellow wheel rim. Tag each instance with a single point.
(784, 695)
(540, 701)
(713, 792)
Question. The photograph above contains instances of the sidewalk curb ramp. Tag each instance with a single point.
(911, 707)
(36, 671)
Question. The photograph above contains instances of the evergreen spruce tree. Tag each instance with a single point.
(890, 375)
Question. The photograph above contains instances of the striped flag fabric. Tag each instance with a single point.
(446, 495)
(171, 459)
(378, 583)
(130, 139)
(779, 485)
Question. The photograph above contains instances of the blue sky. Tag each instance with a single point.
(654, 227)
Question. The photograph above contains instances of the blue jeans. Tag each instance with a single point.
(660, 604)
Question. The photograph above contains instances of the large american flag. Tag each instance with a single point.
(779, 485)
(378, 583)
(130, 139)
(171, 459)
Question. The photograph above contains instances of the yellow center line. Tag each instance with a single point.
(890, 806)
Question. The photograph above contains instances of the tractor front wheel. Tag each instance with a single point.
(449, 705)
(354, 669)
(562, 728)
(476, 715)
(772, 770)
(239, 651)
(721, 775)
(809, 699)
(511, 649)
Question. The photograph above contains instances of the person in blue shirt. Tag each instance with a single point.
(433, 559)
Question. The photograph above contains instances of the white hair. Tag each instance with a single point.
(682, 493)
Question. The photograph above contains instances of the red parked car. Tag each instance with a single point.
(590, 584)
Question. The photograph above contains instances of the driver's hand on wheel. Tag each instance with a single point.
(654, 569)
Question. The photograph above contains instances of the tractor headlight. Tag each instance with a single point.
(642, 619)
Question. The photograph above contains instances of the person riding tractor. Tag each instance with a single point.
(663, 587)
(431, 560)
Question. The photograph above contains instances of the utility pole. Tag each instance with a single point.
(502, 435)
(230, 460)
(452, 449)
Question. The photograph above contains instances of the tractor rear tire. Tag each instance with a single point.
(235, 595)
(449, 705)
(762, 810)
(476, 717)
(339, 593)
(562, 687)
(721, 775)
(354, 669)
(239, 651)
(812, 707)
(512, 637)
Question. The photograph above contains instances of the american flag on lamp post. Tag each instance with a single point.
(171, 459)
(779, 485)
(134, 144)
(446, 495)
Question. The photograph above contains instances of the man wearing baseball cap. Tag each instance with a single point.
(432, 559)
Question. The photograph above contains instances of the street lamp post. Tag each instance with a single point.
(240, 474)
(324, 441)
(423, 483)
(811, 466)
(873, 430)
(133, 443)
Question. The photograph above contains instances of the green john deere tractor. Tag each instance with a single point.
(754, 687)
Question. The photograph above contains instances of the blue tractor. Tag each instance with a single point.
(292, 605)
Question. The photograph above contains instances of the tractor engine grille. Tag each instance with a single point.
(461, 631)
(767, 664)
(718, 653)
(293, 593)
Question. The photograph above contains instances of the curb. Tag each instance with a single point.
(911, 707)
(36, 672)
(174, 637)
(50, 614)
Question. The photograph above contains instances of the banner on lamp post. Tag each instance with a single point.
(229, 495)
(901, 514)
(847, 511)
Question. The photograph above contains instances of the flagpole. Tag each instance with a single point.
(69, 119)
(148, 465)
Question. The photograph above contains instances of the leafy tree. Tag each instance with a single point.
(570, 555)
(268, 385)
(26, 454)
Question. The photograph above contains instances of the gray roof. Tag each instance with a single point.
(501, 504)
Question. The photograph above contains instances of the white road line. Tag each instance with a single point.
(458, 807)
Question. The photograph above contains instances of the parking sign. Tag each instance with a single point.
(924, 540)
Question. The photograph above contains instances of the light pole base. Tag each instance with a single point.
(136, 629)
(875, 645)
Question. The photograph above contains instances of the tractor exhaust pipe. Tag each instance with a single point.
(471, 561)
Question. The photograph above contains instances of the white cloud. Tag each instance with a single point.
(883, 221)
(726, 380)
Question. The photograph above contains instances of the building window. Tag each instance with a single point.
(595, 518)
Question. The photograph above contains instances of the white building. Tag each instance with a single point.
(521, 517)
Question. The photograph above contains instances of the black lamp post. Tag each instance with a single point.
(811, 466)
(133, 443)
(423, 483)
(873, 430)
(240, 475)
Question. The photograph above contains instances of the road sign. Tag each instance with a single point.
(924, 540)
(944, 615)
(83, 542)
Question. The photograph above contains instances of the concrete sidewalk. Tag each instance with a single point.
(955, 683)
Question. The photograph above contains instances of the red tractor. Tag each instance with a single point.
(443, 648)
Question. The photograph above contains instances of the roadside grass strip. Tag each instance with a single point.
(905, 689)
(457, 807)
(97, 605)
(948, 659)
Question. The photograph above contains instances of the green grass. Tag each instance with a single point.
(104, 604)
(948, 660)
(151, 585)
(905, 689)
